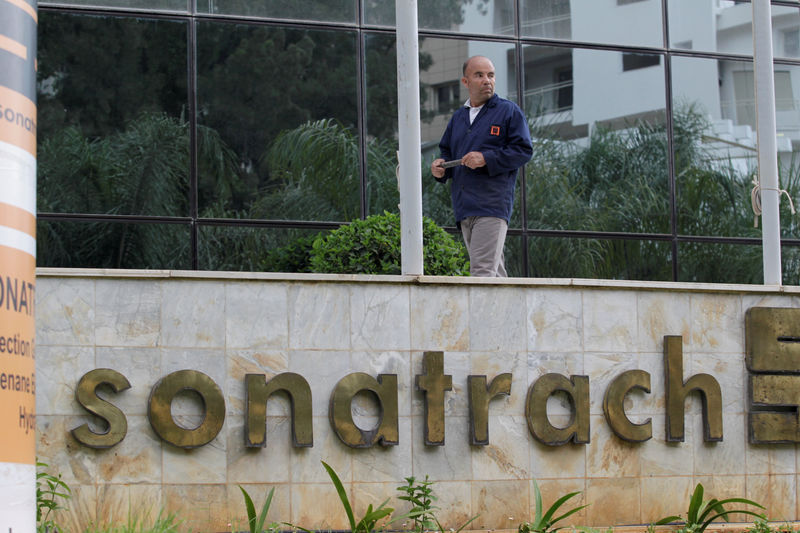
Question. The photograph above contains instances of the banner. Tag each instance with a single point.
(18, 24)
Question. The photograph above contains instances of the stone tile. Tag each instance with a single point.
(729, 371)
(270, 363)
(271, 463)
(65, 312)
(770, 459)
(319, 316)
(552, 490)
(323, 370)
(566, 461)
(317, 506)
(375, 494)
(204, 465)
(614, 501)
(137, 459)
(55, 446)
(141, 367)
(491, 366)
(379, 318)
(499, 504)
(129, 504)
(665, 496)
(127, 313)
(555, 320)
(719, 487)
(190, 315)
(201, 507)
(507, 456)
(609, 456)
(653, 403)
(256, 315)
(457, 365)
(388, 362)
(439, 318)
(778, 493)
(454, 504)
(720, 458)
(443, 462)
(306, 464)
(660, 314)
(58, 372)
(497, 319)
(385, 463)
(602, 369)
(210, 362)
(279, 508)
(661, 458)
(717, 324)
(609, 321)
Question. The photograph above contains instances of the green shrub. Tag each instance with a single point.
(294, 257)
(372, 246)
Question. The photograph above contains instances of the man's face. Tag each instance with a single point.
(479, 80)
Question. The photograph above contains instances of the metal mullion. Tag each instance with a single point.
(361, 119)
(193, 155)
(670, 131)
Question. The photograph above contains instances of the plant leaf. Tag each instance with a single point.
(342, 495)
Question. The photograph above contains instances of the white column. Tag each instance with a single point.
(18, 267)
(410, 173)
(766, 129)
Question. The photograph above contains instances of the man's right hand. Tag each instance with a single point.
(436, 168)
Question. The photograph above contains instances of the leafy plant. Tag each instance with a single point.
(256, 522)
(370, 518)
(543, 521)
(50, 490)
(421, 497)
(164, 523)
(372, 246)
(702, 512)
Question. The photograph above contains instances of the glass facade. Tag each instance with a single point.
(214, 134)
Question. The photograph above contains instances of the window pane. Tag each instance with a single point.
(630, 23)
(281, 105)
(254, 249)
(487, 17)
(720, 263)
(317, 10)
(560, 257)
(150, 5)
(82, 244)
(111, 100)
(726, 26)
(600, 156)
(715, 146)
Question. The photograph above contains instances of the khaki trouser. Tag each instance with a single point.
(485, 237)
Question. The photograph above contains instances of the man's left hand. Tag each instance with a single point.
(473, 160)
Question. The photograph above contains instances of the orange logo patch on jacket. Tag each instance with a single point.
(495, 130)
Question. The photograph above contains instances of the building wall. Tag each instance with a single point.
(147, 324)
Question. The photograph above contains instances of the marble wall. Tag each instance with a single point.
(149, 324)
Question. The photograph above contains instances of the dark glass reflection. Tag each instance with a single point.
(253, 249)
(600, 141)
(152, 5)
(113, 137)
(722, 263)
(561, 257)
(466, 16)
(317, 10)
(85, 244)
(283, 105)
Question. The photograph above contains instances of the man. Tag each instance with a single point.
(490, 137)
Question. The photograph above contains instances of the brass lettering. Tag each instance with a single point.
(86, 395)
(677, 390)
(160, 408)
(772, 340)
(774, 426)
(479, 397)
(258, 391)
(577, 388)
(341, 415)
(614, 406)
(434, 384)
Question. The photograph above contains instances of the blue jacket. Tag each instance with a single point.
(500, 132)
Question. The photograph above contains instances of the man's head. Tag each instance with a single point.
(478, 79)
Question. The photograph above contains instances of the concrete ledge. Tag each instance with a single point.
(421, 280)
